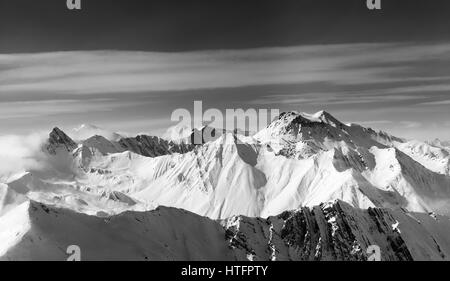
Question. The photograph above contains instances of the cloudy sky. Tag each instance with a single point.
(126, 65)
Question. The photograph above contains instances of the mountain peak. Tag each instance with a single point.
(326, 117)
(303, 135)
(59, 139)
(290, 117)
(56, 131)
(318, 117)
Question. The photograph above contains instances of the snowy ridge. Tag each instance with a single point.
(439, 143)
(334, 231)
(39, 232)
(433, 157)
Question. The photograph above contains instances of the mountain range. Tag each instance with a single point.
(307, 187)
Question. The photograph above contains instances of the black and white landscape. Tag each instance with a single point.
(368, 165)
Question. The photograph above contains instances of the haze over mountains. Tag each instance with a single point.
(306, 187)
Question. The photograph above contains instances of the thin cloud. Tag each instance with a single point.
(410, 124)
(374, 122)
(441, 102)
(88, 72)
(30, 109)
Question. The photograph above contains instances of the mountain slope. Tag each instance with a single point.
(434, 158)
(328, 232)
(40, 232)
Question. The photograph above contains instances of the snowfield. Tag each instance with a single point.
(307, 187)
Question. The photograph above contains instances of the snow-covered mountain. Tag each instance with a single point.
(435, 158)
(439, 143)
(332, 231)
(272, 188)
